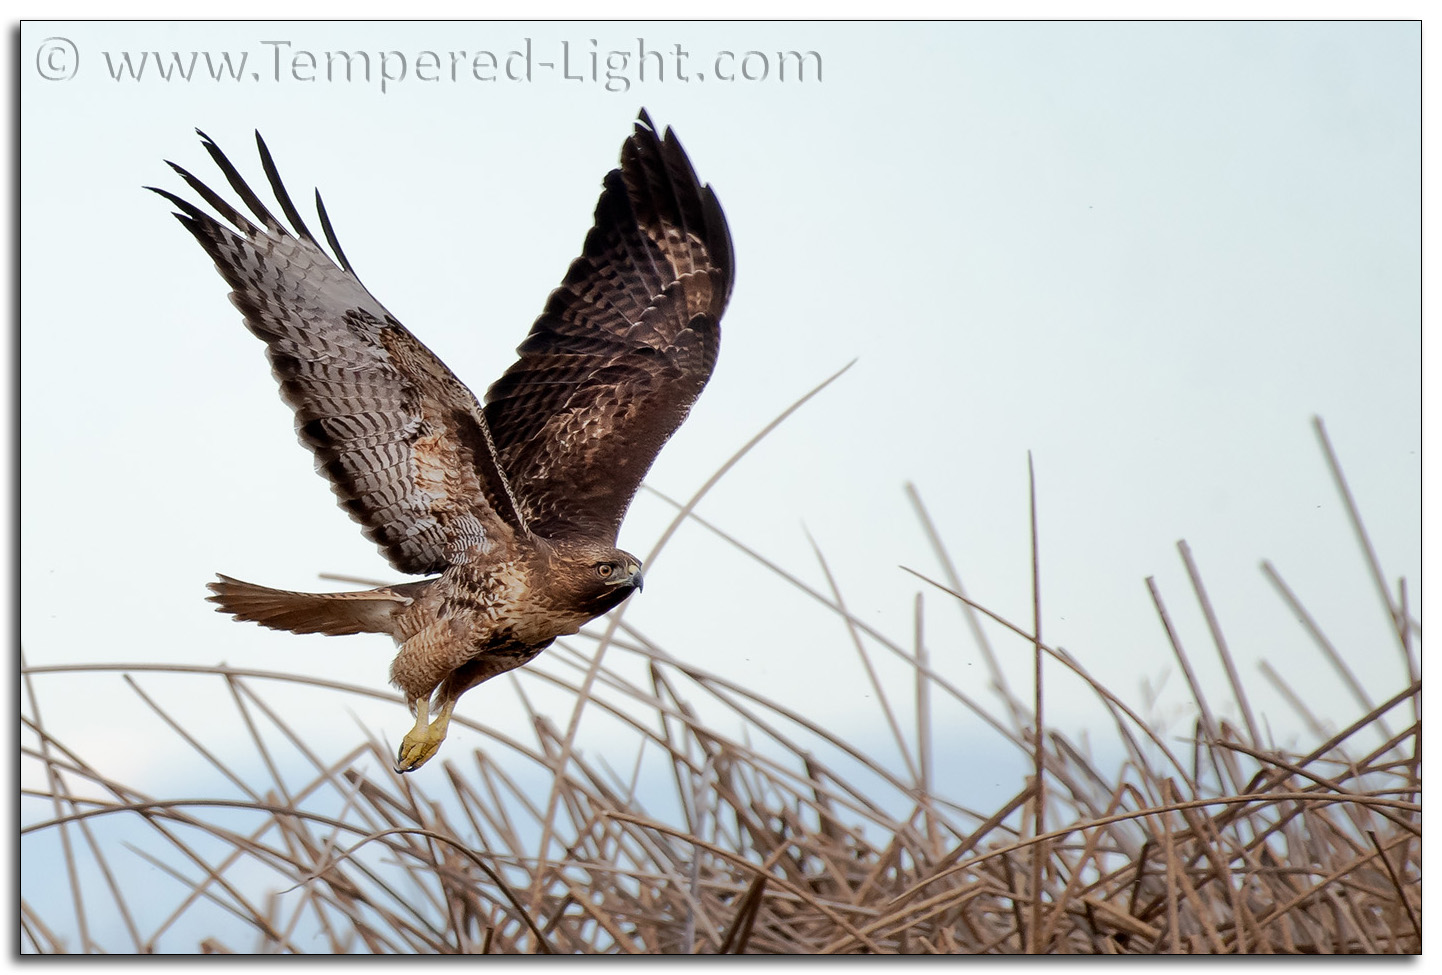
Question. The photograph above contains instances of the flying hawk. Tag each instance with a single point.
(512, 507)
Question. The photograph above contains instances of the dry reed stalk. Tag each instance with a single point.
(771, 833)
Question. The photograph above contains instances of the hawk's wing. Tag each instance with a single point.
(403, 442)
(622, 349)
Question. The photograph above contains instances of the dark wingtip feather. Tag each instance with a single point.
(167, 194)
(237, 219)
(678, 179)
(718, 237)
(226, 211)
(242, 188)
(189, 211)
(330, 236)
(272, 174)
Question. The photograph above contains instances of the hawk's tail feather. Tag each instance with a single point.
(333, 613)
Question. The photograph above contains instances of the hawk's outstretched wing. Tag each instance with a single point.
(622, 349)
(403, 442)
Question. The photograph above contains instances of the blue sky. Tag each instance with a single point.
(1147, 253)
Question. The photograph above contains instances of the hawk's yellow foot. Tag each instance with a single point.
(423, 741)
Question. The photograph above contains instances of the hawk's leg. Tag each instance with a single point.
(414, 669)
(424, 740)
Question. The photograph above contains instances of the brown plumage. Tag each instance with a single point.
(514, 507)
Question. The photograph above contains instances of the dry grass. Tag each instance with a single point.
(759, 832)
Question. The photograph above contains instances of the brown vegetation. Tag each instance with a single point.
(761, 841)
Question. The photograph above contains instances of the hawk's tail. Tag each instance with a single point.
(334, 613)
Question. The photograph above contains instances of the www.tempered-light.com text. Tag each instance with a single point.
(281, 62)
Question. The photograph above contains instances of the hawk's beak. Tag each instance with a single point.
(634, 579)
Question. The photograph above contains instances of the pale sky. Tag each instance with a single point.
(1147, 253)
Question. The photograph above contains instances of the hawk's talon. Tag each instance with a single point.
(422, 742)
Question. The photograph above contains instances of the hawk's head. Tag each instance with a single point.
(593, 577)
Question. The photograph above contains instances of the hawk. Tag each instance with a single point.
(512, 507)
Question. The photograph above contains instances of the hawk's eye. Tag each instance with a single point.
(605, 569)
